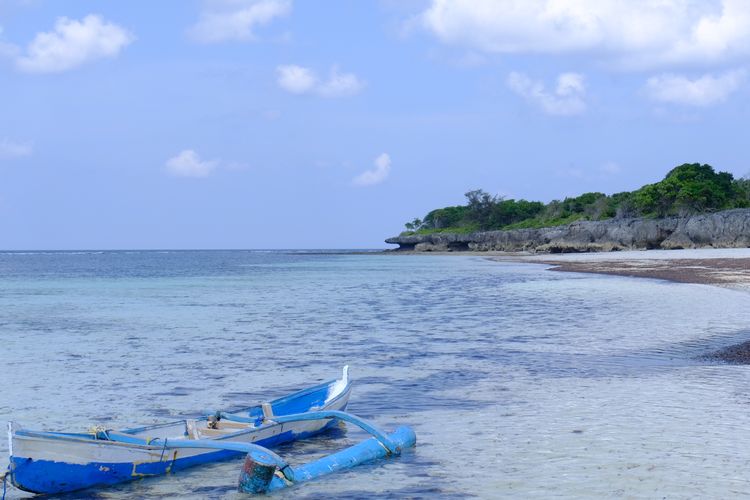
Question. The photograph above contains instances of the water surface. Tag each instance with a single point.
(519, 382)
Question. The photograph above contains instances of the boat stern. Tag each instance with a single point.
(10, 438)
(338, 387)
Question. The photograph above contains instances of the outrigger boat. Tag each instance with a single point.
(57, 462)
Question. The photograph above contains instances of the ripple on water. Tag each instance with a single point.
(519, 382)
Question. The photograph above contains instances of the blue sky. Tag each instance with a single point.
(301, 124)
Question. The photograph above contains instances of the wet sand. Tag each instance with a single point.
(728, 268)
(733, 273)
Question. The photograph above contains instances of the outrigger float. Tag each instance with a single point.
(56, 462)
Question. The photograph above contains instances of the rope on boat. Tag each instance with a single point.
(5, 481)
(98, 430)
(164, 448)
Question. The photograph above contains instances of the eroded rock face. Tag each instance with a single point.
(728, 229)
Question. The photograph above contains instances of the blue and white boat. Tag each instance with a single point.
(56, 462)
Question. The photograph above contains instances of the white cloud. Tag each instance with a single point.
(566, 99)
(224, 20)
(73, 43)
(633, 34)
(376, 175)
(14, 149)
(296, 79)
(301, 80)
(702, 91)
(188, 164)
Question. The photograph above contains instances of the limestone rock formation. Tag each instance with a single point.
(727, 229)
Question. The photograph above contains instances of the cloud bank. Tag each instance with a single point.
(73, 43)
(226, 20)
(633, 34)
(376, 175)
(301, 80)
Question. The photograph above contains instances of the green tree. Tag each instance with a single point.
(480, 205)
(414, 225)
(688, 188)
(446, 217)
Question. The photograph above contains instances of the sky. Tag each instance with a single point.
(302, 124)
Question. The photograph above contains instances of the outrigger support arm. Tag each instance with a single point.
(363, 424)
(319, 415)
(259, 473)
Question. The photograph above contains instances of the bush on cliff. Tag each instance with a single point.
(690, 188)
(687, 189)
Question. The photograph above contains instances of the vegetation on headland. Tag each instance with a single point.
(688, 189)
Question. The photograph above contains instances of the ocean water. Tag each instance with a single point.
(519, 382)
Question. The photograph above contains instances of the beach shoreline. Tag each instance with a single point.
(727, 268)
(728, 273)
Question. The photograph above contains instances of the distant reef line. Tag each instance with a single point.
(725, 229)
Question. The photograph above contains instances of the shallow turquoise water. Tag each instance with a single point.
(519, 382)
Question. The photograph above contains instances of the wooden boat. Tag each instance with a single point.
(56, 462)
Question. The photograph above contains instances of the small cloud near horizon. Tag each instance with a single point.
(376, 175)
(610, 168)
(604, 171)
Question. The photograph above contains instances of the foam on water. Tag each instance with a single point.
(518, 381)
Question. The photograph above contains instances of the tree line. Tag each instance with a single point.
(687, 189)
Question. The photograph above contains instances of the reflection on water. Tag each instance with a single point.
(519, 382)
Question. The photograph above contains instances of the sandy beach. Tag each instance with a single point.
(721, 267)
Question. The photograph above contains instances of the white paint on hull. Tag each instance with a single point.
(82, 450)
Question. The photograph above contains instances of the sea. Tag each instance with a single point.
(520, 382)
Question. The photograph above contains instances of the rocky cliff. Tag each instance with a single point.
(726, 229)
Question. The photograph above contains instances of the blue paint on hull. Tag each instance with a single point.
(366, 451)
(48, 477)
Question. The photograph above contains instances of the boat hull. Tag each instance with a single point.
(52, 463)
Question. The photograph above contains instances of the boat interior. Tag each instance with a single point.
(216, 424)
(221, 424)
